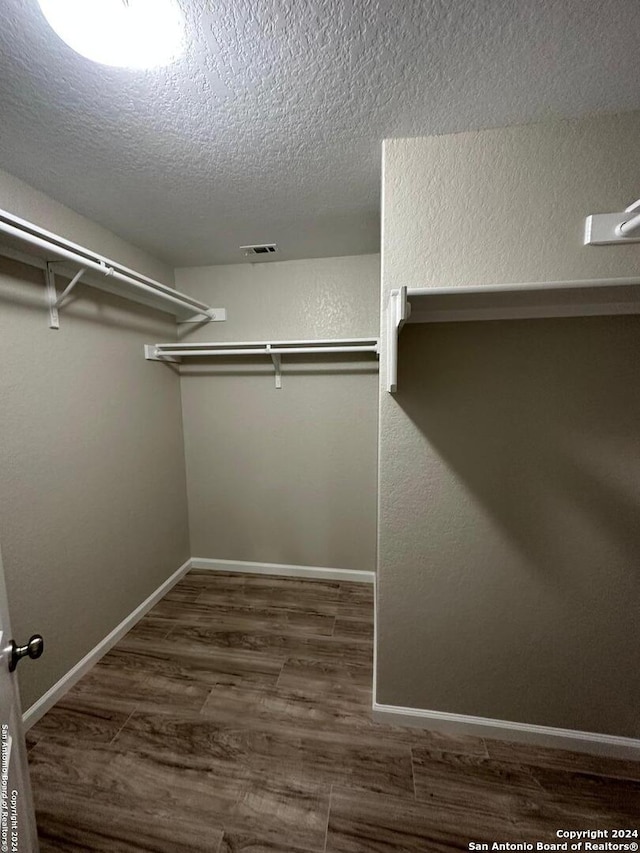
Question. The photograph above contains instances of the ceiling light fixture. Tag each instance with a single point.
(124, 33)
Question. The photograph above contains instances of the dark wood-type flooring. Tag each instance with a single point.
(235, 718)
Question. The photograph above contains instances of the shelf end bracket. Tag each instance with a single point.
(398, 313)
(605, 229)
(152, 353)
(213, 315)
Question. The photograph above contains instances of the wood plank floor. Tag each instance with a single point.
(235, 718)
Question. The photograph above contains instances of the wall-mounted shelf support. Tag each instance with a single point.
(277, 366)
(176, 352)
(52, 296)
(152, 354)
(53, 299)
(213, 315)
(28, 243)
(399, 311)
(605, 229)
(581, 298)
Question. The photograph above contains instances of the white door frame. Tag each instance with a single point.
(17, 815)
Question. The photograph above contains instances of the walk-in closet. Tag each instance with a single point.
(319, 448)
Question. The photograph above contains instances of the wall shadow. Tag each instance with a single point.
(539, 420)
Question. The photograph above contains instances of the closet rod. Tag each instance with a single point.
(52, 244)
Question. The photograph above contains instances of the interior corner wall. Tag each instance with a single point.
(509, 496)
(93, 510)
(289, 475)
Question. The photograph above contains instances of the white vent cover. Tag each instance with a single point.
(260, 249)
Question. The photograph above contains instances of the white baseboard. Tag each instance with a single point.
(374, 690)
(55, 693)
(283, 569)
(548, 736)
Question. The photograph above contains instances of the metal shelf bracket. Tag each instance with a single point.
(55, 301)
(277, 365)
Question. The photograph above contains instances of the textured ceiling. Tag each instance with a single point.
(269, 129)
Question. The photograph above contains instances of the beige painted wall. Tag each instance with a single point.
(93, 512)
(508, 579)
(284, 476)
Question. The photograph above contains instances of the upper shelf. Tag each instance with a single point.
(580, 298)
(33, 245)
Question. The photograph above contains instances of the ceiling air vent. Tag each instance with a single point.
(260, 249)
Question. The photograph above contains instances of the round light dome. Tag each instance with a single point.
(124, 33)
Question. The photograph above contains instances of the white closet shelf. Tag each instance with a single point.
(175, 352)
(580, 298)
(28, 243)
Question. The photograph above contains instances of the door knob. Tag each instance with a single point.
(33, 650)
